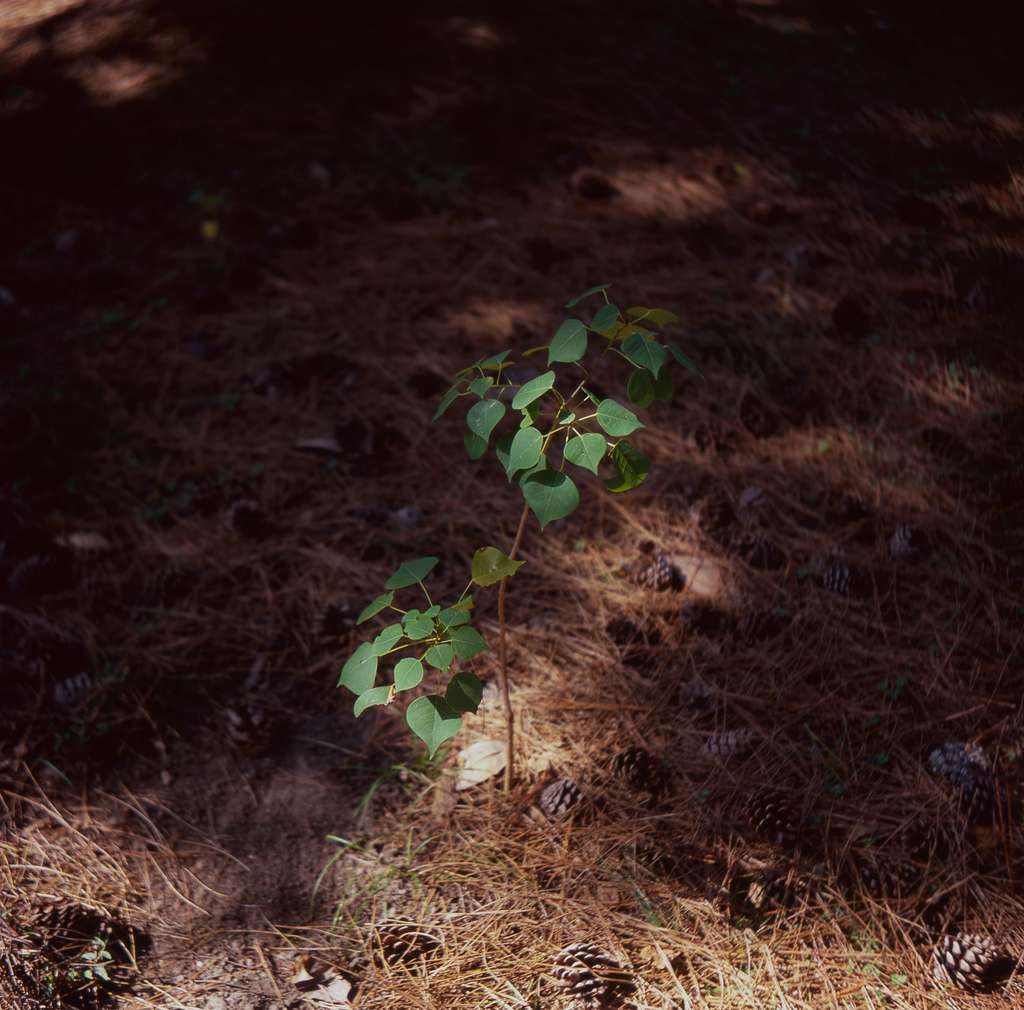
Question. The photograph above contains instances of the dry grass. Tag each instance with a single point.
(121, 805)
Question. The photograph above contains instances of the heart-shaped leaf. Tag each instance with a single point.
(569, 342)
(464, 692)
(475, 445)
(482, 417)
(440, 656)
(433, 720)
(490, 565)
(586, 450)
(616, 419)
(533, 390)
(640, 388)
(467, 642)
(524, 450)
(551, 495)
(387, 639)
(408, 673)
(644, 353)
(605, 319)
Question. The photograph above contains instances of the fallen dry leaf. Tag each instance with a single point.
(326, 444)
(85, 542)
(479, 762)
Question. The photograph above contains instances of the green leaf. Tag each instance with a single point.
(551, 495)
(664, 387)
(503, 449)
(432, 611)
(524, 451)
(532, 390)
(616, 419)
(493, 361)
(644, 353)
(482, 417)
(440, 656)
(408, 673)
(468, 642)
(383, 601)
(524, 475)
(605, 319)
(586, 450)
(464, 692)
(565, 416)
(632, 466)
(433, 720)
(417, 626)
(659, 317)
(453, 617)
(481, 385)
(360, 669)
(569, 343)
(446, 401)
(411, 572)
(530, 415)
(475, 445)
(375, 696)
(684, 360)
(490, 565)
(387, 639)
(640, 388)
(586, 294)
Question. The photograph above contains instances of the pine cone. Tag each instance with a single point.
(906, 543)
(594, 977)
(639, 771)
(968, 771)
(403, 941)
(837, 577)
(880, 875)
(659, 574)
(560, 798)
(972, 961)
(774, 889)
(725, 744)
(773, 817)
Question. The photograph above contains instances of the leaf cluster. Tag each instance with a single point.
(588, 430)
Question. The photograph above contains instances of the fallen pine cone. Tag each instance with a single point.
(593, 976)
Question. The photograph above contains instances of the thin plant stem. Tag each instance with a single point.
(510, 733)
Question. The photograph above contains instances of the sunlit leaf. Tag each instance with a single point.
(491, 565)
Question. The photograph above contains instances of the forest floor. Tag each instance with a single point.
(243, 254)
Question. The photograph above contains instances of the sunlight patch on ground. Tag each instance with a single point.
(660, 193)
